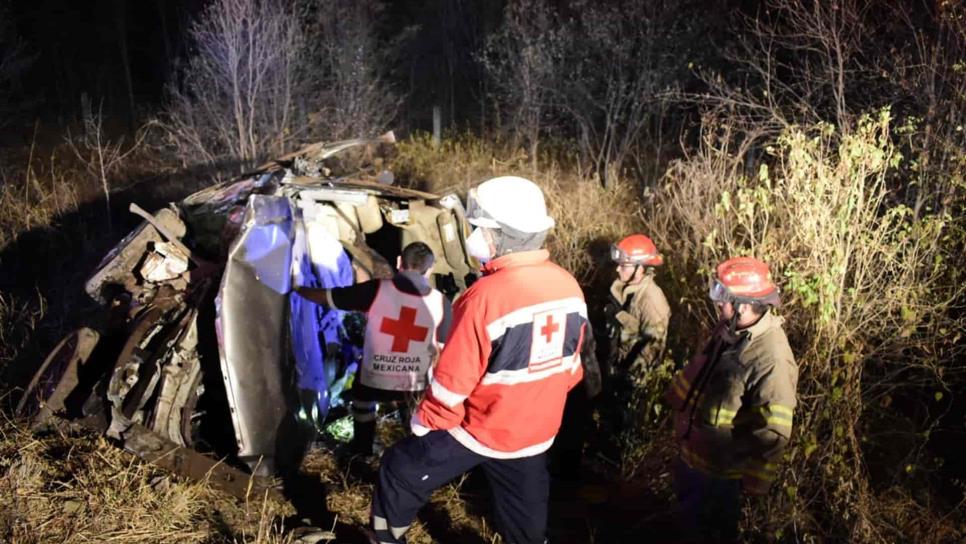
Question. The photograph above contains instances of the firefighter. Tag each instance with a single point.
(498, 391)
(407, 323)
(636, 316)
(637, 312)
(733, 403)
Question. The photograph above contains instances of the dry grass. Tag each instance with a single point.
(42, 183)
(34, 193)
(455, 165)
(908, 518)
(76, 489)
(71, 486)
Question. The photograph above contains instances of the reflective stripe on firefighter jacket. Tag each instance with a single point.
(734, 403)
(512, 355)
(643, 314)
(401, 341)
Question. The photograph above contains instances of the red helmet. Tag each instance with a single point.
(744, 279)
(636, 249)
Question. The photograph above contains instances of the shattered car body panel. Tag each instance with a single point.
(117, 267)
(251, 311)
(203, 345)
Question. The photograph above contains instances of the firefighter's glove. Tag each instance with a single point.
(611, 324)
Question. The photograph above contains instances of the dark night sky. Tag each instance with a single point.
(78, 48)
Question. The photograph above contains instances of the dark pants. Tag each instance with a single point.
(566, 456)
(418, 465)
(709, 507)
(365, 400)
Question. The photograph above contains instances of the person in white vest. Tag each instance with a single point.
(407, 324)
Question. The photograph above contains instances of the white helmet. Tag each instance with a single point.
(510, 201)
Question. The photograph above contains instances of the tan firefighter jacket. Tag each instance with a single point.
(734, 402)
(642, 312)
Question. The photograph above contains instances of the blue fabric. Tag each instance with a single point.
(416, 466)
(315, 328)
(709, 508)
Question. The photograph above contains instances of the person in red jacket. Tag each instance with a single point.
(498, 391)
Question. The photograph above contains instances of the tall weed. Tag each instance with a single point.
(34, 196)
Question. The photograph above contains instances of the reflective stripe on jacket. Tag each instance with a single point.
(734, 403)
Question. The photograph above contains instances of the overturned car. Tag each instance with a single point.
(203, 354)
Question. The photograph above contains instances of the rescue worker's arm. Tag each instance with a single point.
(652, 314)
(680, 389)
(612, 325)
(765, 425)
(608, 332)
(357, 297)
(629, 324)
(654, 317)
(460, 368)
(442, 331)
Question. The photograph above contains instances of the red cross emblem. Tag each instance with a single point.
(550, 328)
(547, 343)
(403, 330)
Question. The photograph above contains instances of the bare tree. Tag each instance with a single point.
(237, 93)
(806, 62)
(521, 61)
(599, 78)
(617, 70)
(101, 156)
(266, 74)
(344, 67)
(797, 62)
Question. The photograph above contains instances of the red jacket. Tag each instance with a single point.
(513, 353)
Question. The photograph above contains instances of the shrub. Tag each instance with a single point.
(869, 301)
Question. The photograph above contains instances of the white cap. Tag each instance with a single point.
(509, 201)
